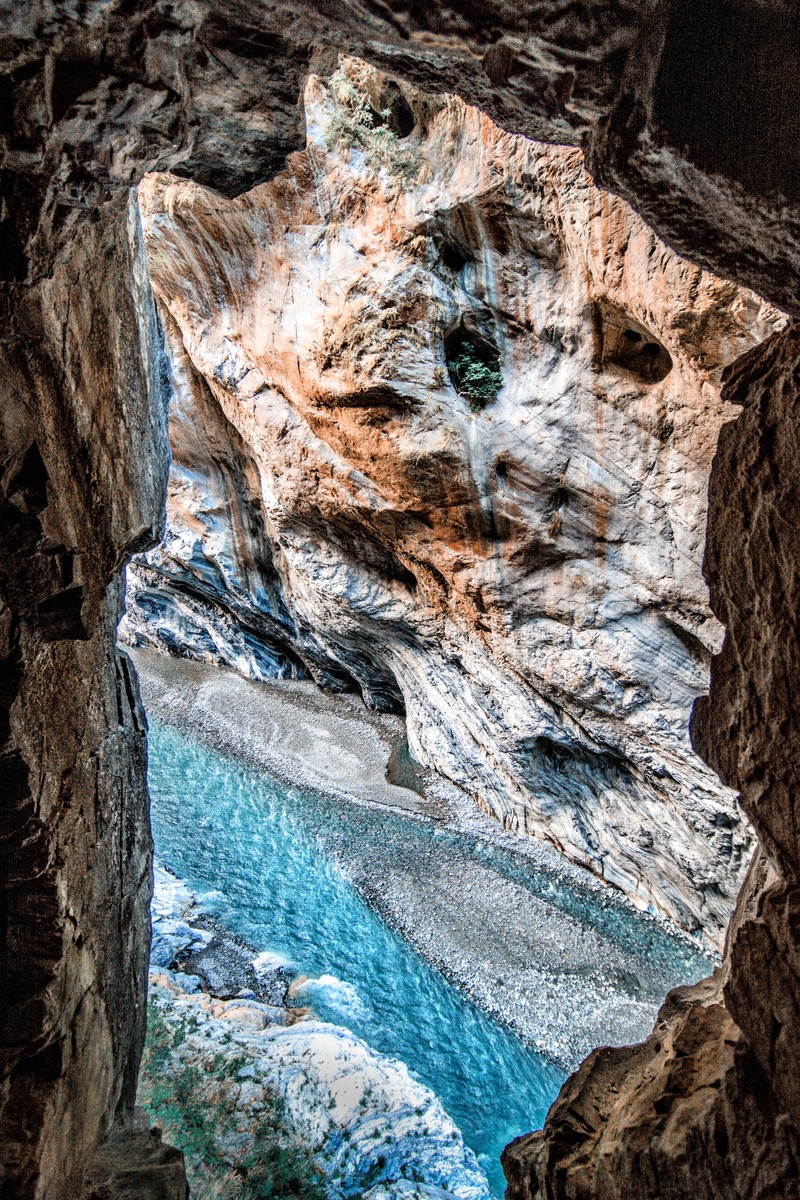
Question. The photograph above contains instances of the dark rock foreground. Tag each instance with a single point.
(690, 113)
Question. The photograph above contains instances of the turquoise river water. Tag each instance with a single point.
(267, 853)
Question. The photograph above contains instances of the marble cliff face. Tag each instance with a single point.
(443, 422)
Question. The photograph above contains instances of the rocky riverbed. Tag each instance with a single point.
(559, 958)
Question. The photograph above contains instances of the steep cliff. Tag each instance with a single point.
(708, 1105)
(76, 846)
(443, 423)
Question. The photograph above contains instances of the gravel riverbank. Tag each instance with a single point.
(558, 957)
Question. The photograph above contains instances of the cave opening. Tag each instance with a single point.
(630, 346)
(427, 677)
(296, 622)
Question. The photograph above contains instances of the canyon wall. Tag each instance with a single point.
(688, 111)
(708, 1105)
(443, 420)
(86, 107)
(75, 862)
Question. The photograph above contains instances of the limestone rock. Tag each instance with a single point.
(687, 1113)
(358, 1115)
(512, 555)
(75, 863)
(709, 1104)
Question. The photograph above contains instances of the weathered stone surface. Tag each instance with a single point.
(136, 1165)
(687, 1113)
(93, 96)
(749, 728)
(521, 572)
(76, 841)
(709, 1104)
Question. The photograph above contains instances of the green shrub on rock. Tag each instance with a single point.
(195, 1099)
(475, 373)
(356, 125)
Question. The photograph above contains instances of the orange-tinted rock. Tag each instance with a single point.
(709, 1104)
(517, 565)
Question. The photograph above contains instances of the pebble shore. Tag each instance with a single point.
(561, 959)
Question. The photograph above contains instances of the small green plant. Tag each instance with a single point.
(475, 373)
(355, 124)
(194, 1096)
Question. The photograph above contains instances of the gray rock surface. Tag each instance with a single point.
(723, 1052)
(75, 862)
(137, 1165)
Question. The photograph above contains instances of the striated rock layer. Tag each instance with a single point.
(513, 555)
(365, 1126)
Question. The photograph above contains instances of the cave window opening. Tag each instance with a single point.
(397, 112)
(628, 346)
(475, 370)
(374, 121)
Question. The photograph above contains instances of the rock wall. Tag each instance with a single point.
(86, 107)
(689, 111)
(708, 1105)
(512, 556)
(76, 836)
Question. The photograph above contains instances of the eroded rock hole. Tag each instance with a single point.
(60, 616)
(71, 80)
(627, 345)
(394, 109)
(27, 487)
(453, 256)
